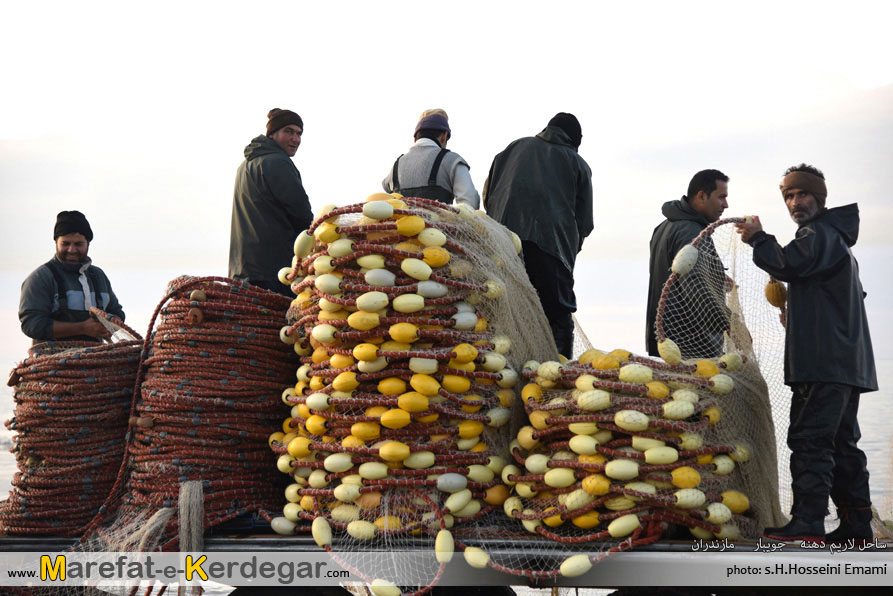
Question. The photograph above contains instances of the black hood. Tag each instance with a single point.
(845, 220)
(680, 210)
(556, 136)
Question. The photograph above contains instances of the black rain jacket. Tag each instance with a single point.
(541, 189)
(705, 301)
(826, 337)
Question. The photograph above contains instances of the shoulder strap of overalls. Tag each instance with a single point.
(432, 177)
(60, 284)
(395, 180)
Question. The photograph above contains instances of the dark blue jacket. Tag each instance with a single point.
(43, 301)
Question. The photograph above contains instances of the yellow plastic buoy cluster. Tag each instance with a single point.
(630, 431)
(399, 374)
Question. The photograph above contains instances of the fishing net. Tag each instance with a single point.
(71, 404)
(621, 450)
(717, 301)
(411, 317)
(209, 381)
(725, 303)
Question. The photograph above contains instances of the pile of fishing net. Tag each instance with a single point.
(411, 318)
(72, 401)
(717, 301)
(619, 446)
(209, 385)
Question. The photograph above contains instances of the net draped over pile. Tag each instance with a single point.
(403, 410)
(353, 438)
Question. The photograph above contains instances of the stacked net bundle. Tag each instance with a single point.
(619, 446)
(72, 403)
(411, 318)
(209, 383)
(716, 301)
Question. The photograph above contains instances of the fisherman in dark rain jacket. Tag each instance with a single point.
(270, 207)
(828, 358)
(541, 189)
(698, 298)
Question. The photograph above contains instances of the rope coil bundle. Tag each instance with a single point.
(72, 400)
(405, 389)
(206, 379)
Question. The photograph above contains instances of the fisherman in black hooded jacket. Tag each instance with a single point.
(699, 300)
(828, 358)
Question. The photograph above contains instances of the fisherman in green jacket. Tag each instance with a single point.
(270, 207)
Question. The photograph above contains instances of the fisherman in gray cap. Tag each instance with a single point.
(57, 296)
(431, 171)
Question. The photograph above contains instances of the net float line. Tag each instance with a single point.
(665, 292)
(199, 398)
(70, 421)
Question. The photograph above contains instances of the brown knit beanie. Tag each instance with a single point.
(282, 118)
(805, 181)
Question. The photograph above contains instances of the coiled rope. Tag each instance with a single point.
(209, 388)
(72, 400)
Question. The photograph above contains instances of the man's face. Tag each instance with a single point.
(72, 248)
(712, 206)
(802, 205)
(289, 138)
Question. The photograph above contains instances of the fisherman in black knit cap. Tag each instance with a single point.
(541, 189)
(57, 296)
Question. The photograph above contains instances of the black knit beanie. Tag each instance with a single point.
(72, 222)
(569, 124)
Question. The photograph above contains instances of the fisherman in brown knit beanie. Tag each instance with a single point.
(270, 206)
(828, 359)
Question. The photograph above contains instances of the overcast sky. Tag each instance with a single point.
(137, 115)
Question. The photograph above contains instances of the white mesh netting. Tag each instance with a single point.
(410, 318)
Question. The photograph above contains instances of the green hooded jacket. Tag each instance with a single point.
(270, 209)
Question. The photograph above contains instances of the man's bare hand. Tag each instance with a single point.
(94, 328)
(747, 230)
